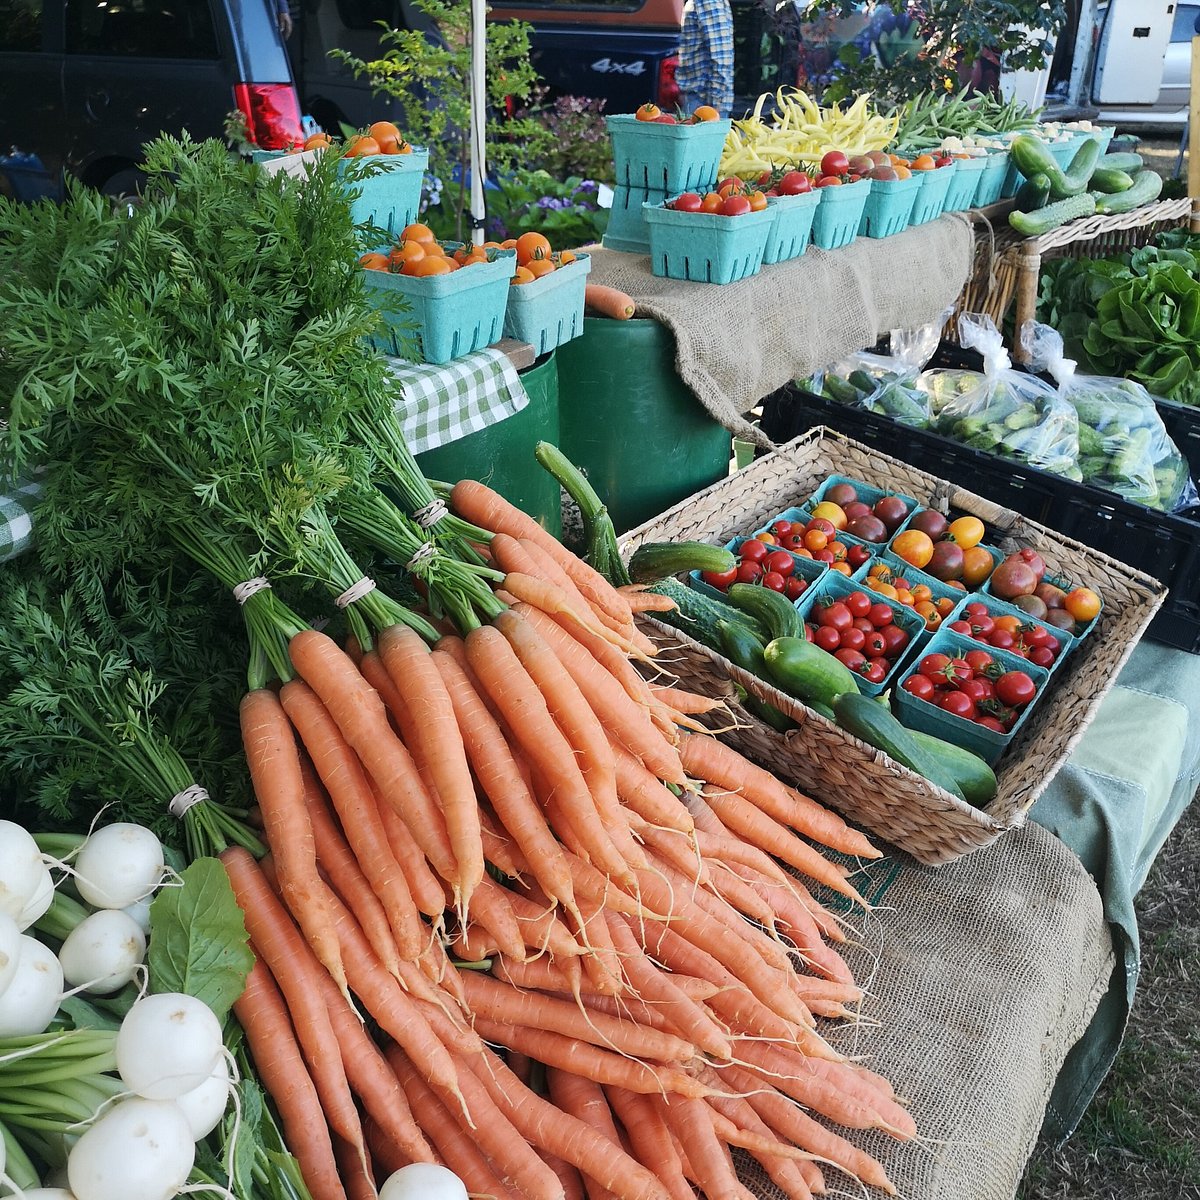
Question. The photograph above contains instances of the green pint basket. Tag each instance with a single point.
(454, 314)
(627, 229)
(707, 247)
(670, 158)
(792, 231)
(889, 206)
(390, 197)
(931, 197)
(991, 179)
(835, 223)
(964, 183)
(549, 311)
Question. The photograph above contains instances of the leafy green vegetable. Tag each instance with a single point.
(198, 939)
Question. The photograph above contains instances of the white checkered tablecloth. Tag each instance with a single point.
(16, 525)
(445, 403)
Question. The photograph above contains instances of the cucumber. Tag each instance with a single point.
(1110, 180)
(1079, 174)
(1121, 162)
(1033, 158)
(744, 650)
(700, 616)
(658, 560)
(841, 391)
(875, 725)
(1033, 194)
(772, 610)
(807, 672)
(1146, 187)
(975, 778)
(1056, 214)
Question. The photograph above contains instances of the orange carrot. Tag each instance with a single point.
(568, 1176)
(650, 1139)
(541, 926)
(498, 1002)
(552, 1130)
(551, 599)
(585, 1101)
(713, 761)
(685, 702)
(493, 910)
(691, 1123)
(338, 864)
(272, 1041)
(427, 892)
(274, 764)
(609, 301)
(386, 1155)
(640, 600)
(411, 669)
(496, 769)
(538, 974)
(350, 791)
(362, 718)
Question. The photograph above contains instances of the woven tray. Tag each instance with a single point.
(863, 783)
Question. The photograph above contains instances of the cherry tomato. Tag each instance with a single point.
(896, 639)
(712, 202)
(825, 556)
(881, 614)
(1002, 639)
(864, 623)
(854, 659)
(828, 638)
(826, 526)
(749, 571)
(754, 550)
(720, 579)
(1015, 689)
(1041, 657)
(794, 541)
(835, 163)
(816, 539)
(859, 604)
(874, 645)
(960, 626)
(688, 202)
(857, 555)
(809, 631)
(735, 206)
(977, 689)
(769, 538)
(779, 561)
(990, 722)
(1036, 635)
(836, 614)
(958, 671)
(933, 666)
(781, 528)
(828, 181)
(978, 660)
(875, 671)
(774, 581)
(919, 686)
(796, 587)
(982, 626)
(1054, 646)
(958, 703)
(854, 639)
(976, 608)
(795, 183)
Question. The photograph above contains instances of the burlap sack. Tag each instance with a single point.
(739, 342)
(981, 975)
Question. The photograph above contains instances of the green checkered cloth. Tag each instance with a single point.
(16, 523)
(445, 403)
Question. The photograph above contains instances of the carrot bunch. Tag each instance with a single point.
(646, 961)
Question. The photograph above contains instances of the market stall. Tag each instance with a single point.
(487, 867)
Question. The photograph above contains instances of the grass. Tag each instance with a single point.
(1141, 1136)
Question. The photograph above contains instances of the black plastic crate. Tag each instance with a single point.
(1183, 424)
(1166, 547)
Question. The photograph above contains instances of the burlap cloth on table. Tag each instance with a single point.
(739, 342)
(981, 975)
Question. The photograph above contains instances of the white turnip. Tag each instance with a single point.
(423, 1181)
(31, 999)
(118, 865)
(138, 1150)
(21, 869)
(10, 949)
(205, 1105)
(40, 901)
(103, 952)
(167, 1045)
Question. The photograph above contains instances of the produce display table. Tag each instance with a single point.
(739, 342)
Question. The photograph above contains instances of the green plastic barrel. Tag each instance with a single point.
(630, 422)
(502, 454)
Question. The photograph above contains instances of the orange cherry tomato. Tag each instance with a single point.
(374, 262)
(359, 146)
(416, 232)
(922, 592)
(1011, 624)
(769, 538)
(565, 257)
(538, 267)
(648, 112)
(706, 113)
(431, 264)
(532, 246)
(838, 550)
(1083, 604)
(317, 141)
(926, 609)
(945, 605)
(914, 547)
(523, 275)
(815, 540)
(923, 162)
(842, 567)
(966, 531)
(712, 202)
(406, 252)
(758, 201)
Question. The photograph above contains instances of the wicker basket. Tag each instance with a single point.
(863, 783)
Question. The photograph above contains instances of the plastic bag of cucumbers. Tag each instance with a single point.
(1002, 410)
(1123, 445)
(886, 383)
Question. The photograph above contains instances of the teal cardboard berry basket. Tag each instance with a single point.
(960, 194)
(670, 158)
(792, 230)
(889, 206)
(931, 197)
(389, 196)
(991, 178)
(627, 229)
(836, 220)
(706, 247)
(549, 311)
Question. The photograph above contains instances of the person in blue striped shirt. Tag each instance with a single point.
(705, 73)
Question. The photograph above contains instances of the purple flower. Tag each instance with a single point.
(587, 185)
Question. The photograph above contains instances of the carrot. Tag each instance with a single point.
(456, 1148)
(685, 702)
(655, 987)
(568, 1176)
(274, 764)
(349, 790)
(625, 719)
(641, 600)
(362, 718)
(542, 928)
(272, 1041)
(538, 974)
(585, 1101)
(716, 763)
(650, 1139)
(796, 1126)
(411, 669)
(555, 1132)
(692, 1124)
(427, 891)
(609, 301)
(356, 1173)
(507, 1005)
(751, 823)
(290, 960)
(496, 769)
(384, 1152)
(551, 599)
(339, 865)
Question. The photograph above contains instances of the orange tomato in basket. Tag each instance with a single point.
(915, 547)
(532, 246)
(966, 531)
(977, 566)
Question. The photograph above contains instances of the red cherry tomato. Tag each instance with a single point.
(1036, 635)
(896, 638)
(749, 572)
(1041, 657)
(796, 587)
(1002, 639)
(978, 660)
(825, 556)
(933, 666)
(774, 581)
(881, 614)
(828, 638)
(960, 626)
(809, 631)
(836, 614)
(793, 541)
(688, 202)
(795, 183)
(1015, 689)
(734, 206)
(957, 703)
(864, 623)
(825, 526)
(856, 555)
(781, 528)
(977, 689)
(754, 550)
(875, 671)
(875, 645)
(854, 659)
(859, 604)
(781, 562)
(990, 722)
(919, 686)
(976, 609)
(854, 639)
(959, 670)
(720, 579)
(835, 163)
(828, 181)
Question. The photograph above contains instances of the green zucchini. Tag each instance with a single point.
(807, 672)
(658, 560)
(772, 610)
(744, 650)
(875, 725)
(698, 615)
(976, 780)
(1126, 161)
(1053, 215)
(1033, 194)
(1110, 180)
(1146, 187)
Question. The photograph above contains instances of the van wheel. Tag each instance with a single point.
(125, 185)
